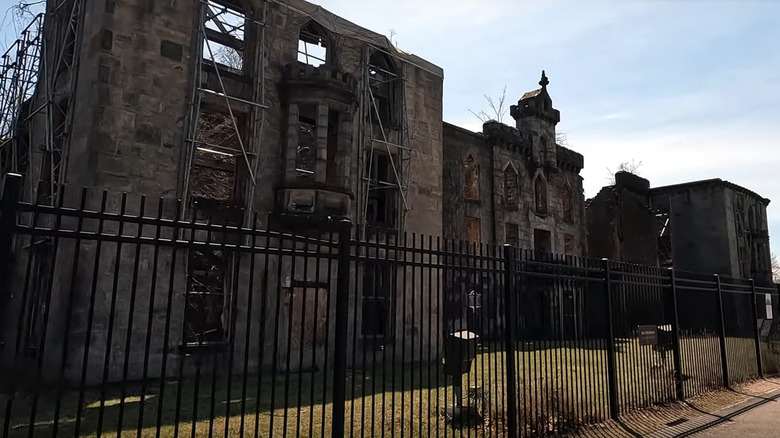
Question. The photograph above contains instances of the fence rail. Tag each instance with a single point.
(121, 317)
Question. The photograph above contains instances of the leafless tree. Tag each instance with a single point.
(229, 57)
(630, 167)
(497, 108)
(775, 269)
(562, 139)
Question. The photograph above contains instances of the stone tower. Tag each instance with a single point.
(534, 113)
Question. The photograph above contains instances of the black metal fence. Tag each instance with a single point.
(121, 318)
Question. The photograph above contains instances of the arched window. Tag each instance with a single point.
(566, 203)
(511, 192)
(540, 195)
(313, 47)
(384, 82)
(471, 178)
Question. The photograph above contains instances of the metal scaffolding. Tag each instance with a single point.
(219, 139)
(395, 141)
(19, 74)
(59, 67)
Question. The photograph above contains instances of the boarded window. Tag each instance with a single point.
(512, 235)
(510, 188)
(568, 244)
(472, 230)
(471, 178)
(566, 204)
(540, 195)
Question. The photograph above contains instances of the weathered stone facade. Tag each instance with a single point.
(515, 185)
(711, 226)
(156, 112)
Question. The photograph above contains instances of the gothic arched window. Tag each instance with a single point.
(471, 178)
(540, 195)
(566, 203)
(511, 189)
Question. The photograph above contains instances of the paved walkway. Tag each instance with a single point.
(760, 422)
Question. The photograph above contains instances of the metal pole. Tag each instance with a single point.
(722, 334)
(678, 385)
(8, 207)
(756, 333)
(611, 360)
(509, 338)
(342, 315)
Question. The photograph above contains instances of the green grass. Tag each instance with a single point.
(560, 388)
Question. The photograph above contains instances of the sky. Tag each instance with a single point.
(690, 89)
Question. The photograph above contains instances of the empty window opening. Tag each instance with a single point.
(542, 241)
(331, 167)
(471, 177)
(383, 193)
(385, 90)
(225, 30)
(207, 297)
(312, 46)
(218, 166)
(568, 244)
(378, 287)
(306, 149)
(540, 195)
(511, 190)
(566, 204)
(473, 233)
(512, 234)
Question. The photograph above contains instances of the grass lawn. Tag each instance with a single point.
(561, 386)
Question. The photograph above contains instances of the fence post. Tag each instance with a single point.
(611, 359)
(678, 385)
(722, 334)
(8, 208)
(342, 315)
(509, 338)
(756, 332)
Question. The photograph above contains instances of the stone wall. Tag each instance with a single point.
(134, 85)
(497, 149)
(621, 224)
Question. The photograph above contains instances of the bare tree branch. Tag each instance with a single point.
(632, 167)
(497, 109)
(775, 269)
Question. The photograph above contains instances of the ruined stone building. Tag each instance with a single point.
(232, 106)
(515, 184)
(711, 226)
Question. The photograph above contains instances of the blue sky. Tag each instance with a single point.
(689, 88)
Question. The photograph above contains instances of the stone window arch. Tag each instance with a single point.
(471, 178)
(385, 84)
(314, 47)
(540, 195)
(511, 188)
(567, 203)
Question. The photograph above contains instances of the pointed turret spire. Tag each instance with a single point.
(544, 81)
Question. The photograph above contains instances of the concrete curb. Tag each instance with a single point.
(706, 421)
